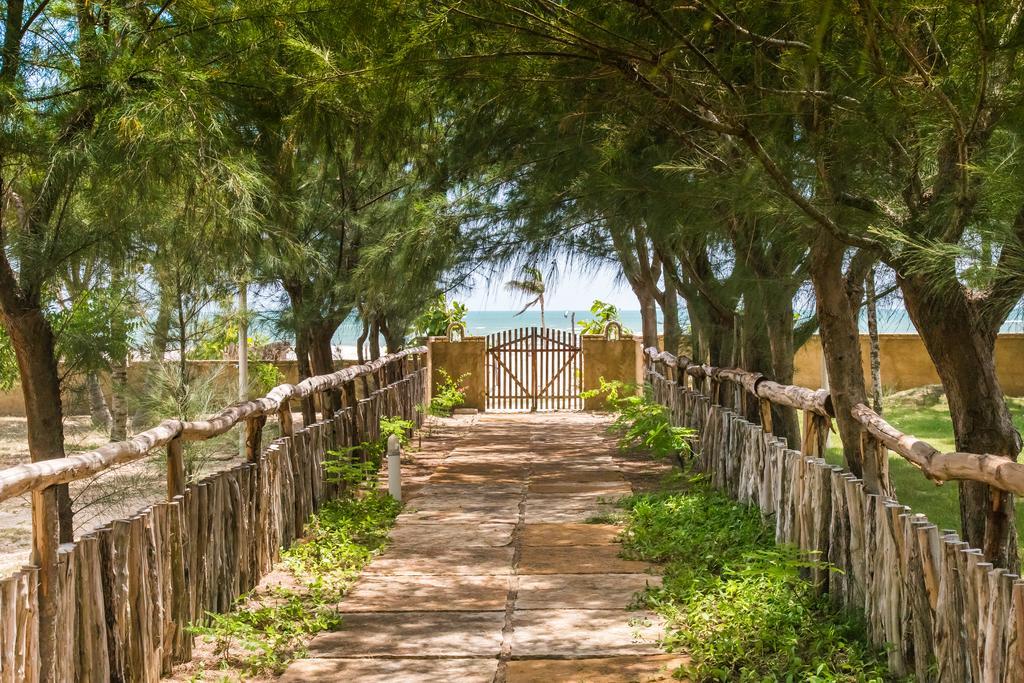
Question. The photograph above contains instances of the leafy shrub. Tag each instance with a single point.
(603, 313)
(449, 396)
(734, 601)
(439, 316)
(641, 423)
(357, 466)
(269, 630)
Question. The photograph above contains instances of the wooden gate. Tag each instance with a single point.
(533, 369)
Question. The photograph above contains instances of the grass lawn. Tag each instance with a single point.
(932, 424)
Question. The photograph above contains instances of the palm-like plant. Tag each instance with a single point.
(531, 284)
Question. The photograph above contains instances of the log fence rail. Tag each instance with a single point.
(941, 611)
(115, 604)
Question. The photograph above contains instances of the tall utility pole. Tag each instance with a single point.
(243, 356)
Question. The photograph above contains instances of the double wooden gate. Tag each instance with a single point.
(533, 369)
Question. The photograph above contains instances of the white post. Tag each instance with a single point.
(394, 468)
(243, 356)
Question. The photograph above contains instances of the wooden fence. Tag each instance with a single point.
(123, 595)
(944, 613)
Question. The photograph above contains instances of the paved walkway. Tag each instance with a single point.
(494, 575)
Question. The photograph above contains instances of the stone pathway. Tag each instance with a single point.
(494, 575)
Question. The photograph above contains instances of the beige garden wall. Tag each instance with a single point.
(906, 364)
(460, 358)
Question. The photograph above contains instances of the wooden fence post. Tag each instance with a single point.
(815, 433)
(765, 407)
(175, 469)
(875, 457)
(253, 437)
(284, 419)
(45, 541)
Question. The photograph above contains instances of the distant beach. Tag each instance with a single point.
(482, 323)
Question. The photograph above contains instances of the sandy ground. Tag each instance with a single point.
(118, 492)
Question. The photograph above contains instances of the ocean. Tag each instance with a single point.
(481, 323)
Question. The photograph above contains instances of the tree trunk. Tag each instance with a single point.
(541, 298)
(670, 309)
(162, 326)
(777, 303)
(321, 352)
(876, 356)
(100, 413)
(374, 340)
(305, 371)
(962, 348)
(52, 523)
(648, 317)
(393, 340)
(840, 343)
(118, 400)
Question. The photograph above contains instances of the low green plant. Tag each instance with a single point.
(357, 466)
(603, 313)
(735, 602)
(642, 423)
(434, 321)
(269, 630)
(449, 395)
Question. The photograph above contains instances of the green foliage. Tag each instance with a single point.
(97, 328)
(357, 466)
(603, 313)
(642, 423)
(221, 335)
(8, 362)
(734, 601)
(441, 314)
(263, 377)
(267, 631)
(449, 395)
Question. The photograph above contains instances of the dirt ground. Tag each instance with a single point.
(118, 492)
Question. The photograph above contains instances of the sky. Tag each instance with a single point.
(574, 289)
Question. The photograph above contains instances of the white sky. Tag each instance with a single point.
(575, 290)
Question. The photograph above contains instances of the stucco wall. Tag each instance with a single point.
(75, 401)
(906, 364)
(618, 359)
(460, 358)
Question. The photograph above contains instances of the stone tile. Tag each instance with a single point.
(461, 516)
(498, 509)
(413, 561)
(569, 534)
(577, 474)
(630, 669)
(583, 633)
(562, 512)
(581, 591)
(400, 593)
(390, 670)
(413, 634)
(611, 488)
(431, 535)
(474, 492)
(588, 559)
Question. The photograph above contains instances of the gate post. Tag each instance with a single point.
(610, 359)
(457, 358)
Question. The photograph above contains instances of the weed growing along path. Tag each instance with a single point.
(733, 601)
(274, 624)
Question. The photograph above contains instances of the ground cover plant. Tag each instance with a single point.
(270, 627)
(450, 394)
(738, 605)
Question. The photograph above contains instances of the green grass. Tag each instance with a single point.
(736, 603)
(932, 424)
